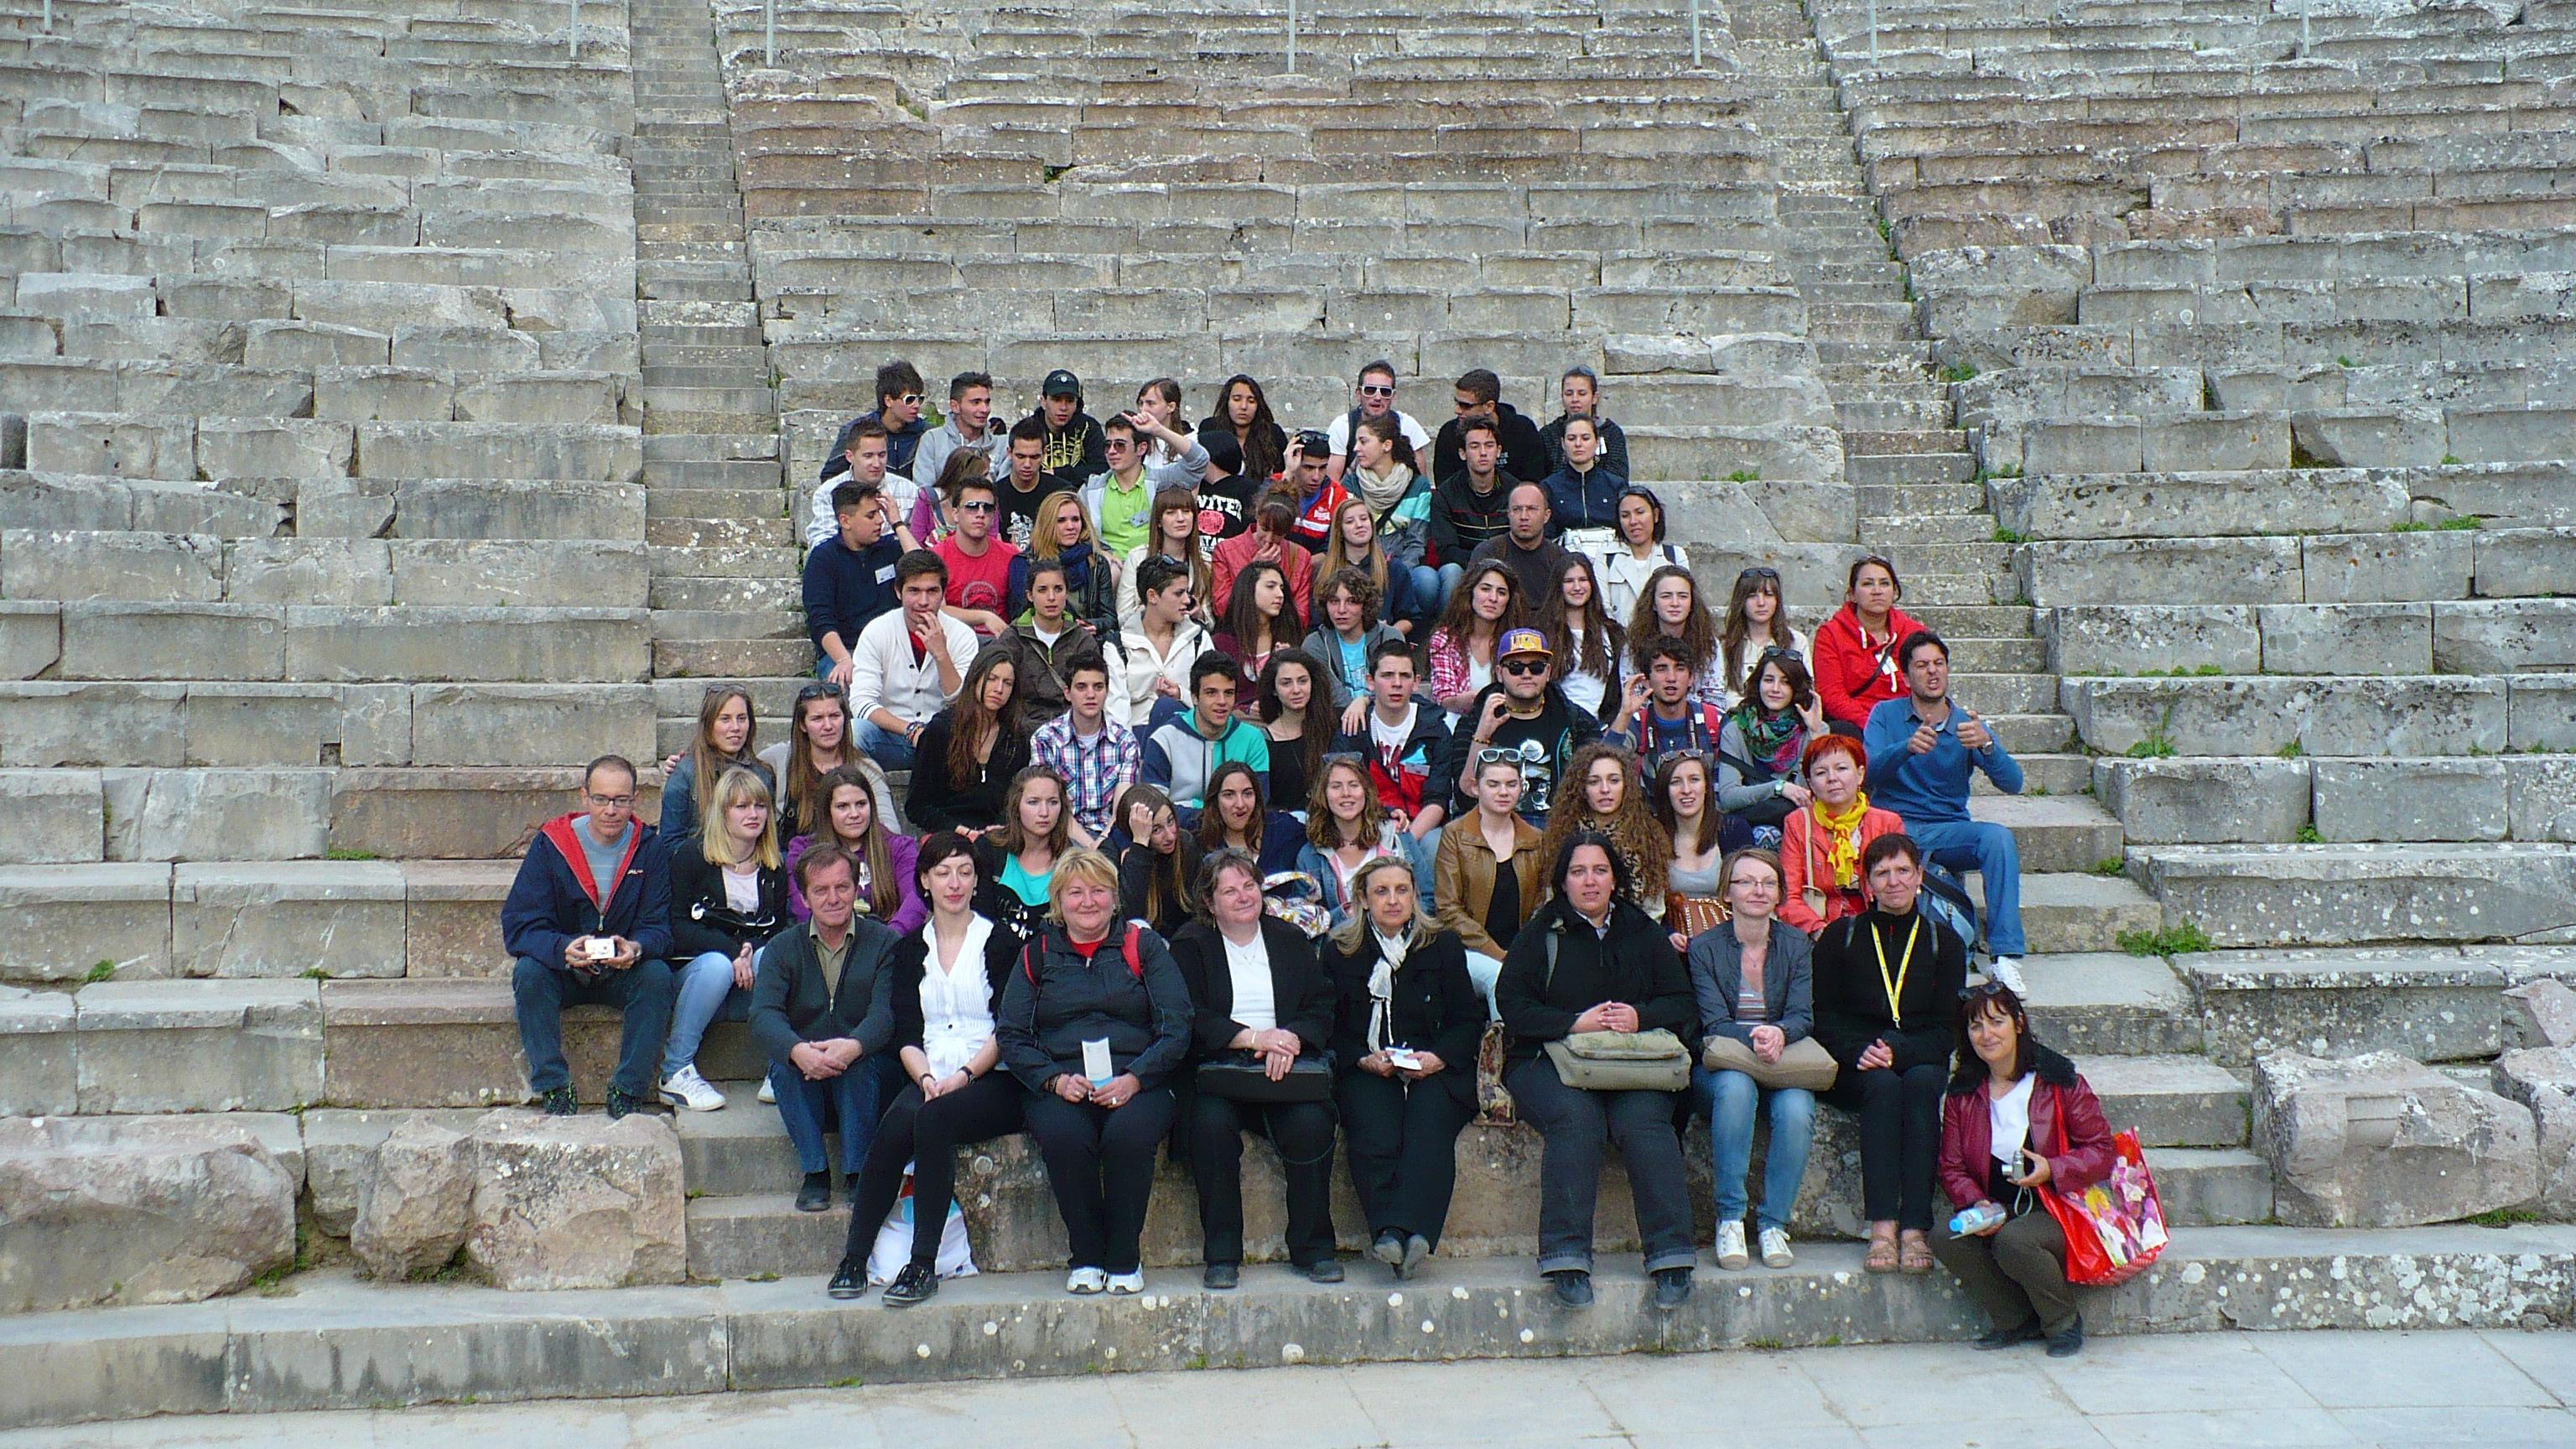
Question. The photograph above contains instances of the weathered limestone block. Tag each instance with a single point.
(414, 1216)
(161, 1213)
(576, 1202)
(37, 1078)
(340, 1155)
(2544, 1080)
(2425, 1003)
(199, 1046)
(82, 565)
(288, 918)
(2134, 638)
(2400, 800)
(216, 814)
(2540, 1013)
(57, 922)
(2379, 1141)
(53, 816)
(2181, 800)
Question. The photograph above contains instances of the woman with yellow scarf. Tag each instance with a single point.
(1820, 846)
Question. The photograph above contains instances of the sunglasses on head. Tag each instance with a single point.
(1498, 756)
(1524, 667)
(813, 692)
(1986, 991)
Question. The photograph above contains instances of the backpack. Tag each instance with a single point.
(1127, 947)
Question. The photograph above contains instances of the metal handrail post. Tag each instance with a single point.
(1873, 32)
(1695, 57)
(769, 30)
(1292, 37)
(574, 39)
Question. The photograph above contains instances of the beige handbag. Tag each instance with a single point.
(1811, 893)
(1804, 1063)
(1653, 1060)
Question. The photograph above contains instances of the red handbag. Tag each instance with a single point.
(2114, 1228)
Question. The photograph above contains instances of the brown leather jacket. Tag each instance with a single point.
(1462, 880)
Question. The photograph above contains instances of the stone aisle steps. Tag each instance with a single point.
(1919, 501)
(726, 553)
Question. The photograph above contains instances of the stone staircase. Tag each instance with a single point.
(241, 658)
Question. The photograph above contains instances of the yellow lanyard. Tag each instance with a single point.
(1895, 986)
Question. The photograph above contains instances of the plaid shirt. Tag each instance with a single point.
(1094, 772)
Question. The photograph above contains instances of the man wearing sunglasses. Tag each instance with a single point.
(979, 564)
(1480, 399)
(1120, 497)
(1375, 398)
(898, 411)
(1521, 715)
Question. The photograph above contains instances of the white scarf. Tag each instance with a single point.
(1382, 492)
(1381, 984)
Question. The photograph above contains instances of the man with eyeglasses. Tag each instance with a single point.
(979, 565)
(1076, 448)
(1923, 750)
(864, 458)
(1375, 398)
(1480, 398)
(898, 411)
(1120, 498)
(588, 919)
(969, 424)
(1523, 716)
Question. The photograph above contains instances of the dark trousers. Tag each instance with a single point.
(810, 1108)
(2015, 1275)
(1578, 1124)
(926, 1134)
(1403, 1142)
(643, 992)
(1100, 1162)
(1900, 1136)
(1303, 1133)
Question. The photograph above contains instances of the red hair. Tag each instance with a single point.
(1823, 745)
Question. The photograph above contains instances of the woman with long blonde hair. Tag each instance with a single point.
(728, 895)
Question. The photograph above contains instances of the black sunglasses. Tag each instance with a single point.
(1525, 666)
(818, 690)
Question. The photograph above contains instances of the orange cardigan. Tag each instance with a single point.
(1796, 836)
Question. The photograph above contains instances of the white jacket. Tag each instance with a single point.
(1144, 666)
(883, 672)
(821, 523)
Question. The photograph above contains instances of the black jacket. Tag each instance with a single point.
(1434, 1006)
(1851, 997)
(938, 800)
(1559, 729)
(1716, 962)
(553, 898)
(701, 921)
(1298, 985)
(1135, 870)
(789, 1003)
(1054, 999)
(1636, 964)
(1462, 519)
(1075, 453)
(1524, 449)
(912, 958)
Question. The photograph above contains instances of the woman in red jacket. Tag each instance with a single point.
(1855, 668)
(2017, 1119)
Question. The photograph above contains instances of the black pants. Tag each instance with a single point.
(927, 1134)
(1900, 1137)
(1578, 1124)
(1403, 1142)
(1303, 1133)
(1100, 1162)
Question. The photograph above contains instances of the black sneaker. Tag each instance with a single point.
(560, 1102)
(1573, 1287)
(913, 1285)
(849, 1280)
(2028, 1331)
(1672, 1288)
(1324, 1270)
(1220, 1276)
(621, 1102)
(1417, 1250)
(816, 1194)
(2069, 1343)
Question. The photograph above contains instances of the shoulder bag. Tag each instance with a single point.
(1617, 1061)
(1804, 1063)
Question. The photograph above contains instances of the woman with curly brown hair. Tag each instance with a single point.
(1608, 797)
(1671, 608)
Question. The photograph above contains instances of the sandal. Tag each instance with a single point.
(1915, 1253)
(1882, 1256)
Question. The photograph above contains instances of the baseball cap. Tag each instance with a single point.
(1061, 383)
(1524, 641)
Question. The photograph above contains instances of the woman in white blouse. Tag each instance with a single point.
(947, 976)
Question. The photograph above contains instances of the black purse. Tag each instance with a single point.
(1241, 1078)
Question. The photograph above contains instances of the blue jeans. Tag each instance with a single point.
(892, 751)
(848, 1101)
(1731, 1098)
(706, 992)
(642, 992)
(1444, 582)
(1426, 599)
(1989, 850)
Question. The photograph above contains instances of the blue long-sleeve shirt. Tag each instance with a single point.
(1930, 787)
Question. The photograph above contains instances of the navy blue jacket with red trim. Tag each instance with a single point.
(553, 900)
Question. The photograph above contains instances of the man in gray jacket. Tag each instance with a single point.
(822, 1008)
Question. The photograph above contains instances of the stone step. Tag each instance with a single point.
(2069, 912)
(2431, 1003)
(1864, 470)
(753, 495)
(2338, 895)
(328, 1341)
(2068, 833)
(2102, 1003)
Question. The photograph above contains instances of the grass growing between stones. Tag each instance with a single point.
(2110, 865)
(103, 971)
(342, 852)
(2182, 940)
(2292, 751)
(2502, 1217)
(2308, 835)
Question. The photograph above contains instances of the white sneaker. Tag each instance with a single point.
(687, 1089)
(1775, 1248)
(1730, 1245)
(768, 1093)
(2007, 970)
(1127, 1283)
(1086, 1280)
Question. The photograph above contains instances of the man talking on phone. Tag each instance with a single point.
(1922, 750)
(589, 921)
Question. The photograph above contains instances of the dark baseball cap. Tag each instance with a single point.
(1225, 455)
(1061, 383)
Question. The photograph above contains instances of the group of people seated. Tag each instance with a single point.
(1188, 875)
